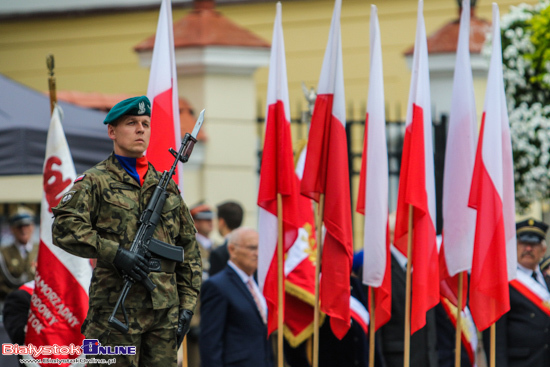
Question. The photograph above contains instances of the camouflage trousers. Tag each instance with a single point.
(152, 332)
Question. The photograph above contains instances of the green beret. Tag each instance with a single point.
(135, 106)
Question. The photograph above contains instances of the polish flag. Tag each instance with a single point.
(326, 172)
(417, 186)
(59, 303)
(163, 94)
(300, 272)
(492, 195)
(458, 219)
(372, 199)
(276, 177)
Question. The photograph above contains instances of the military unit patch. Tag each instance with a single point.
(69, 195)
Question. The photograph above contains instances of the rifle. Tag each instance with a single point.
(144, 244)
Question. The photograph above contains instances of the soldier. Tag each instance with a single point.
(523, 333)
(98, 218)
(17, 261)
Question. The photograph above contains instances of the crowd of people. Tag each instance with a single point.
(213, 295)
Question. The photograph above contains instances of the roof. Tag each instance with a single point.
(104, 102)
(204, 26)
(445, 39)
(24, 122)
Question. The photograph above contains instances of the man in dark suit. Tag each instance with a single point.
(423, 347)
(230, 217)
(233, 310)
(522, 334)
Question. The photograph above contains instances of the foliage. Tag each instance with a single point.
(525, 34)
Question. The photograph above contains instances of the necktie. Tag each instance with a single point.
(257, 300)
(534, 276)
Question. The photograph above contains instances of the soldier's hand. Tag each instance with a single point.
(184, 323)
(131, 264)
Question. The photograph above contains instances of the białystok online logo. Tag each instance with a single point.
(94, 347)
(89, 347)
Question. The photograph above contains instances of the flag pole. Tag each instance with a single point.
(51, 82)
(407, 353)
(319, 224)
(184, 352)
(371, 328)
(280, 355)
(458, 335)
(493, 345)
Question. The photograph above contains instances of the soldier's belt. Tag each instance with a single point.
(161, 265)
(156, 265)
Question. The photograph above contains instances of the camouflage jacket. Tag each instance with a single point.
(101, 211)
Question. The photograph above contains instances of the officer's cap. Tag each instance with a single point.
(531, 231)
(23, 216)
(545, 263)
(135, 106)
(202, 211)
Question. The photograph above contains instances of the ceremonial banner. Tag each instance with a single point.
(326, 172)
(300, 272)
(457, 248)
(417, 186)
(59, 303)
(492, 195)
(276, 177)
(163, 94)
(372, 199)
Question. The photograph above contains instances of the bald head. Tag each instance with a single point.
(243, 249)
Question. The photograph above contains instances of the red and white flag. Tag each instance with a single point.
(300, 272)
(372, 199)
(492, 195)
(59, 303)
(163, 94)
(417, 186)
(276, 177)
(458, 219)
(326, 172)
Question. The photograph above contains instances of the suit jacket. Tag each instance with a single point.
(218, 259)
(16, 315)
(423, 345)
(232, 330)
(522, 334)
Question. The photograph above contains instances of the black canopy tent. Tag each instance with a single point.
(24, 123)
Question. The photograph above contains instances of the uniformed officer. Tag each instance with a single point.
(18, 261)
(522, 334)
(98, 218)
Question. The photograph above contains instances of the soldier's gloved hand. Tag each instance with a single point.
(184, 323)
(131, 264)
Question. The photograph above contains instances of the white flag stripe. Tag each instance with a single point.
(277, 81)
(56, 146)
(332, 75)
(163, 75)
(458, 218)
(497, 148)
(376, 194)
(268, 225)
(419, 94)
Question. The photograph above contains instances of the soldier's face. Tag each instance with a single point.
(530, 254)
(23, 233)
(245, 253)
(131, 135)
(204, 226)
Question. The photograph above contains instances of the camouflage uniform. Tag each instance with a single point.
(101, 212)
